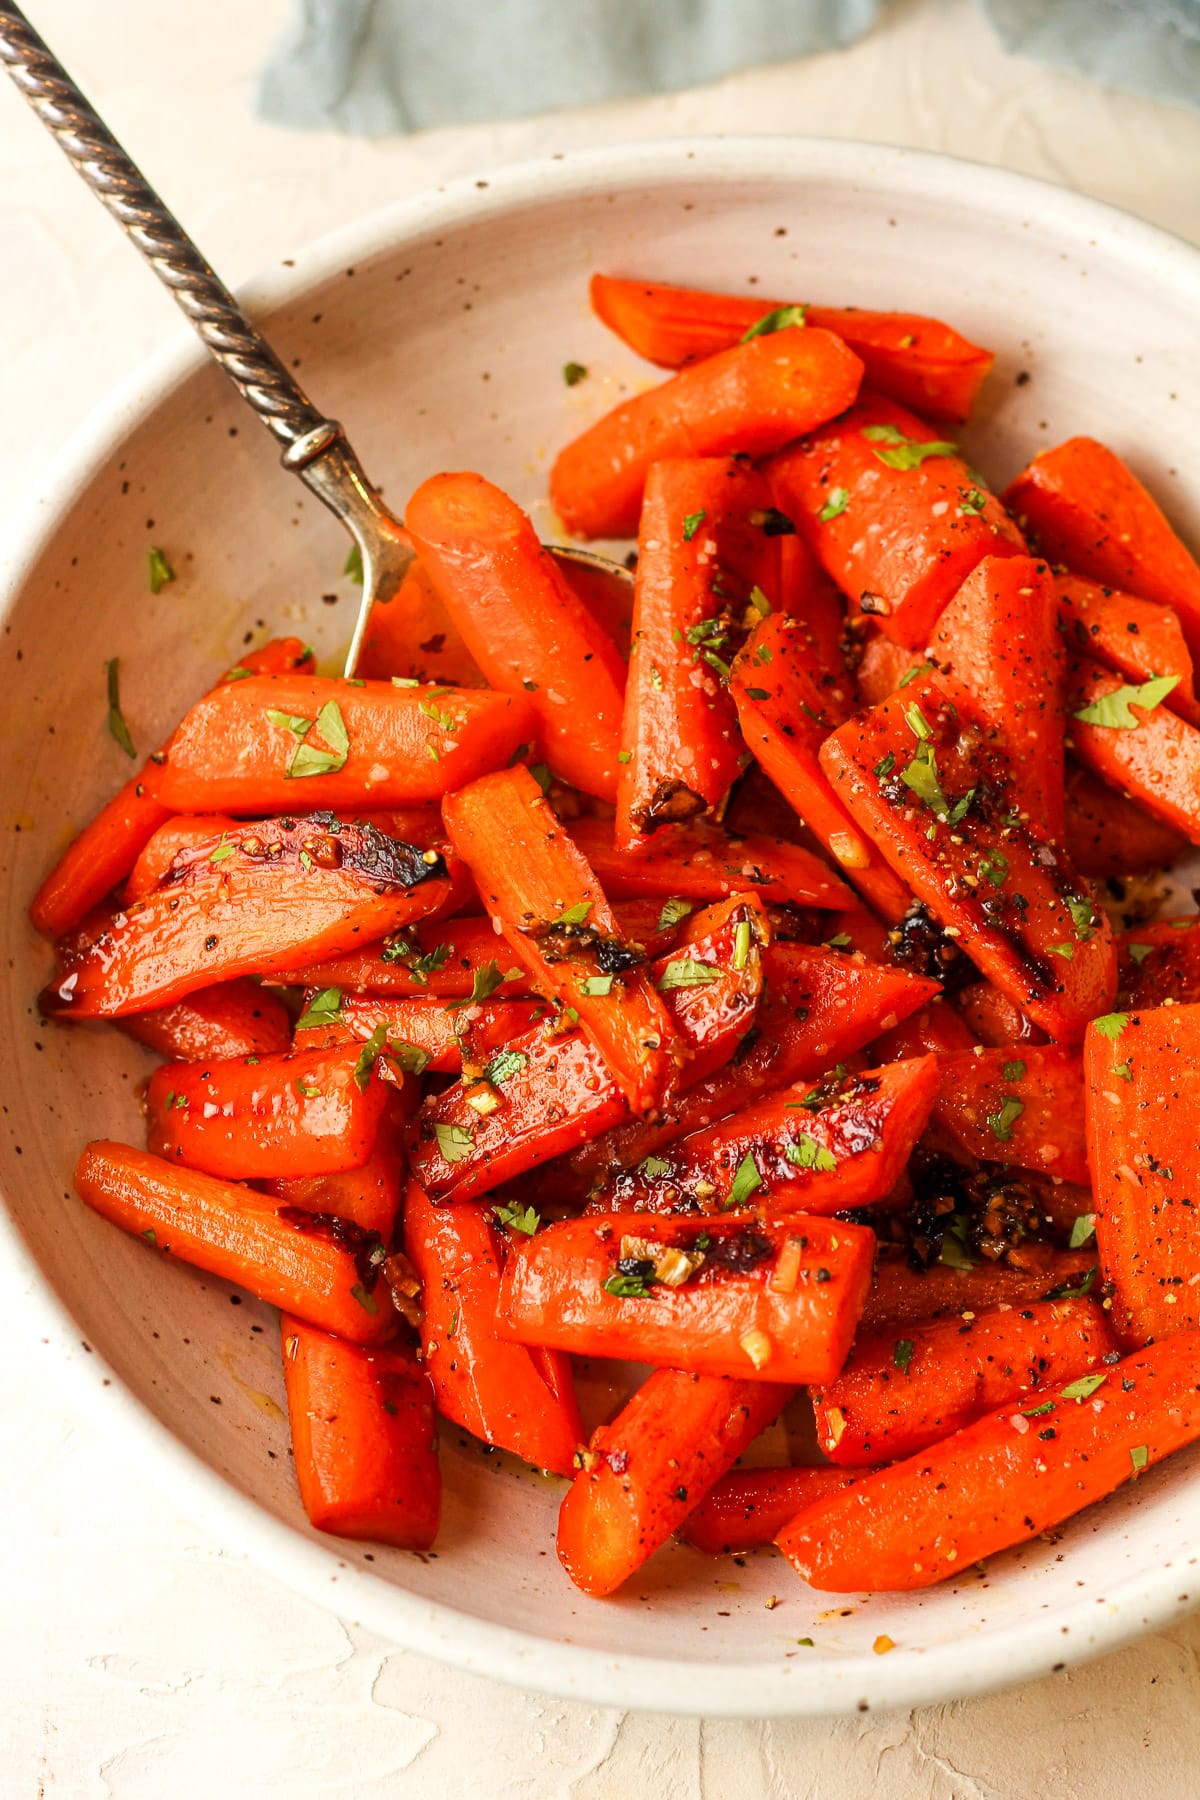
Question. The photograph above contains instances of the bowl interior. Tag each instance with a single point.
(438, 336)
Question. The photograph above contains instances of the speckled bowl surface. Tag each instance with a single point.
(437, 331)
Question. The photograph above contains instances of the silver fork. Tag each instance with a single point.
(314, 448)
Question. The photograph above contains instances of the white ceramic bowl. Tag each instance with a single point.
(437, 331)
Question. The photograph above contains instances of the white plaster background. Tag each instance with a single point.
(137, 1659)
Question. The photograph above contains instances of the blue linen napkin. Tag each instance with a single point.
(369, 67)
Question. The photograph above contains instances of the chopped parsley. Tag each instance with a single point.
(575, 915)
(1074, 1290)
(116, 718)
(1140, 952)
(779, 320)
(902, 1354)
(504, 1065)
(673, 912)
(692, 523)
(324, 1008)
(835, 506)
(353, 566)
(1139, 1456)
(885, 765)
(161, 572)
(454, 1141)
(917, 670)
(741, 943)
(1013, 1071)
(372, 1049)
(904, 452)
(808, 1154)
(1083, 917)
(409, 1058)
(652, 1167)
(307, 759)
(1111, 1025)
(629, 1287)
(1002, 1122)
(955, 1252)
(686, 972)
(365, 1300)
(1084, 1387)
(515, 1217)
(574, 373)
(747, 1181)
(597, 984)
(484, 983)
(1113, 709)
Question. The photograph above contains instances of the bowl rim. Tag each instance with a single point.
(961, 1669)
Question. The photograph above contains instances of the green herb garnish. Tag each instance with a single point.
(1113, 709)
(835, 506)
(161, 572)
(116, 718)
(779, 320)
(747, 1181)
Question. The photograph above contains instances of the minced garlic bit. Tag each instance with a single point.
(758, 1347)
(485, 1100)
(849, 849)
(787, 1268)
(588, 1460)
(672, 1266)
(837, 1424)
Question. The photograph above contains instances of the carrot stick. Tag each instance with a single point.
(538, 886)
(918, 361)
(700, 560)
(1018, 910)
(1088, 510)
(782, 707)
(930, 520)
(750, 399)
(1002, 1480)
(279, 893)
(523, 624)
(413, 635)
(897, 1395)
(325, 1276)
(702, 862)
(1138, 638)
(513, 1397)
(806, 593)
(814, 1148)
(1160, 964)
(737, 1296)
(1109, 835)
(642, 1474)
(748, 1508)
(422, 1035)
(1142, 1073)
(363, 1438)
(902, 1295)
(1021, 1107)
(1155, 761)
(237, 1018)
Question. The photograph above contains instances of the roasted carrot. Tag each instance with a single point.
(896, 1395)
(702, 862)
(902, 1295)
(918, 361)
(1002, 1480)
(324, 1272)
(1023, 1107)
(806, 593)
(420, 1035)
(1110, 835)
(813, 1148)
(279, 893)
(523, 624)
(1086, 509)
(538, 886)
(363, 1438)
(748, 1508)
(1151, 754)
(701, 564)
(750, 399)
(899, 526)
(883, 665)
(783, 709)
(237, 1018)
(513, 1397)
(1017, 908)
(1160, 964)
(1138, 638)
(933, 1030)
(368, 1196)
(993, 1018)
(412, 635)
(641, 1475)
(1143, 1079)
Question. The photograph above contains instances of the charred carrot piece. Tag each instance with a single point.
(993, 1019)
(750, 399)
(1017, 1106)
(782, 707)
(903, 1296)
(1151, 754)
(537, 883)
(1002, 1480)
(276, 894)
(1138, 638)
(549, 1091)
(523, 624)
(739, 1296)
(511, 1396)
(642, 1474)
(324, 1273)
(702, 563)
(1142, 1075)
(748, 1508)
(1108, 834)
(921, 362)
(702, 862)
(1086, 509)
(814, 1148)
(238, 1018)
(1017, 908)
(897, 1395)
(363, 1438)
(1160, 964)
(930, 519)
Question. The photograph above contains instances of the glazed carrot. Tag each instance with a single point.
(550, 1090)
(1160, 964)
(781, 701)
(883, 666)
(1143, 1076)
(1021, 1107)
(897, 1395)
(516, 1398)
(642, 1474)
(702, 862)
(1050, 948)
(281, 892)
(993, 1018)
(412, 635)
(1136, 637)
(902, 1295)
(326, 1277)
(748, 1508)
(363, 1438)
(1086, 509)
(934, 1030)
(995, 1484)
(750, 399)
(368, 1196)
(806, 593)
(237, 1018)
(314, 1112)
(898, 527)
(1109, 835)
(424, 1034)
(523, 624)
(999, 635)
(700, 560)
(813, 1148)
(921, 362)
(277, 741)
(1155, 760)
(537, 883)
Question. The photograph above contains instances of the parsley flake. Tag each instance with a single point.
(574, 373)
(515, 1217)
(692, 523)
(1113, 709)
(1084, 1387)
(1139, 1456)
(372, 1049)
(835, 506)
(902, 1354)
(161, 572)
(1002, 1122)
(806, 1153)
(747, 1181)
(779, 320)
(116, 718)
(324, 1008)
(1111, 1025)
(687, 972)
(673, 912)
(1013, 1071)
(454, 1141)
(904, 452)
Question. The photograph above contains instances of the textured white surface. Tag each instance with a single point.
(137, 1658)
